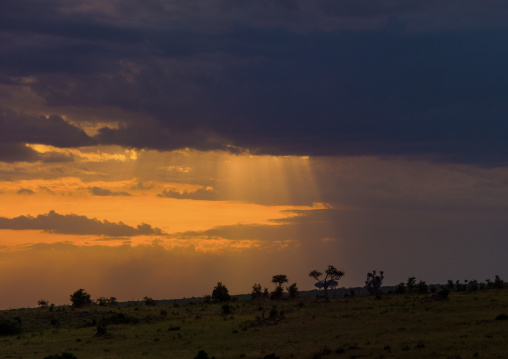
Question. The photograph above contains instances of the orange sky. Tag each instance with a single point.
(169, 191)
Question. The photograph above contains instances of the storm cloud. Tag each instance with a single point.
(53, 222)
(421, 80)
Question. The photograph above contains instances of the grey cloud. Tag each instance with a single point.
(17, 152)
(18, 129)
(74, 224)
(97, 191)
(55, 131)
(316, 78)
(200, 194)
(25, 191)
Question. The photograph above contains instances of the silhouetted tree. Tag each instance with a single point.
(332, 273)
(257, 291)
(374, 282)
(411, 283)
(220, 293)
(149, 301)
(279, 279)
(423, 288)
(80, 298)
(292, 290)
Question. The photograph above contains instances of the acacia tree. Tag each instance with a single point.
(332, 274)
(278, 280)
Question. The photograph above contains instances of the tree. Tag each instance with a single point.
(332, 273)
(292, 290)
(220, 293)
(374, 282)
(149, 301)
(411, 283)
(278, 280)
(80, 298)
(257, 292)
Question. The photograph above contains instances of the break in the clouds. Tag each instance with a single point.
(425, 79)
(74, 224)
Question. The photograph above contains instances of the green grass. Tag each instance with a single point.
(396, 326)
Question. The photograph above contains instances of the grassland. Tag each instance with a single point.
(395, 326)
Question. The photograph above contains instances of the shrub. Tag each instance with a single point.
(106, 301)
(423, 288)
(256, 291)
(80, 298)
(227, 309)
(101, 328)
(10, 327)
(277, 293)
(203, 355)
(43, 303)
(64, 355)
(292, 290)
(401, 288)
(472, 286)
(502, 317)
(498, 282)
(220, 293)
(149, 301)
(411, 283)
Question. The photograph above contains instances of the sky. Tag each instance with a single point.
(157, 147)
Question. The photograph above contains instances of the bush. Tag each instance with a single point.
(292, 290)
(80, 298)
(64, 355)
(220, 293)
(10, 327)
(411, 283)
(149, 301)
(422, 287)
(277, 293)
(400, 289)
(102, 328)
(227, 309)
(256, 291)
(43, 303)
(498, 282)
(106, 301)
(203, 355)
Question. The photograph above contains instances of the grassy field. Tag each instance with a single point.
(395, 326)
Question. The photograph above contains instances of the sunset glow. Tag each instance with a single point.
(156, 148)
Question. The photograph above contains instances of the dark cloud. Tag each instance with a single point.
(74, 224)
(17, 152)
(25, 191)
(284, 77)
(200, 194)
(18, 129)
(97, 191)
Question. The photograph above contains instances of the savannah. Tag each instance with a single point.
(411, 320)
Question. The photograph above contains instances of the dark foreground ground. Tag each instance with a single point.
(466, 325)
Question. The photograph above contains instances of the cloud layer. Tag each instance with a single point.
(74, 224)
(320, 78)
